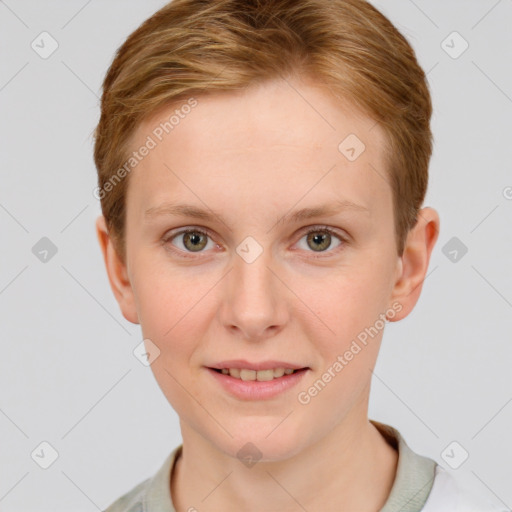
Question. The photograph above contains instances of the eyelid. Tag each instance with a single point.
(343, 238)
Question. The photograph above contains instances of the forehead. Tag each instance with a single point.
(277, 135)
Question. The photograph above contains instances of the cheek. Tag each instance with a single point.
(347, 340)
(168, 298)
(339, 306)
(172, 315)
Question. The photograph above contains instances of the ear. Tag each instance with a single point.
(117, 273)
(413, 264)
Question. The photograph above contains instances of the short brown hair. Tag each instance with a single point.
(191, 47)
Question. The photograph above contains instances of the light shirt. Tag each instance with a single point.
(420, 485)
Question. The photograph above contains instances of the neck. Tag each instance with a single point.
(353, 468)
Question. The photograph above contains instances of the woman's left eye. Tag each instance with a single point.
(195, 240)
(320, 238)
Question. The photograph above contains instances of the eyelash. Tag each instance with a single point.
(202, 231)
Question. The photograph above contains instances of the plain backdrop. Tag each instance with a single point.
(68, 376)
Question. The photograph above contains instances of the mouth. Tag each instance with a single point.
(256, 381)
(247, 374)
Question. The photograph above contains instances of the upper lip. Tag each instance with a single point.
(262, 365)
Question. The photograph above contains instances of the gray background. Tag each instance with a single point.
(68, 374)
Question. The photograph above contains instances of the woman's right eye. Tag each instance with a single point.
(190, 240)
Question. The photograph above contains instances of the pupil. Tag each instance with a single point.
(320, 240)
(194, 239)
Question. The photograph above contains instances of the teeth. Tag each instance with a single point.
(247, 374)
(278, 372)
(260, 375)
(263, 375)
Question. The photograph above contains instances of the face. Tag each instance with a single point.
(247, 284)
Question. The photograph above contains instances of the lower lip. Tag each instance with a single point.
(257, 390)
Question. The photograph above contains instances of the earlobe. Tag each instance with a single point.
(413, 264)
(117, 272)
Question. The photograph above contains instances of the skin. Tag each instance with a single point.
(253, 156)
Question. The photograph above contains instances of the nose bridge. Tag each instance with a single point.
(254, 302)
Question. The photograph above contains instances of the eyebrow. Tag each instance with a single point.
(192, 211)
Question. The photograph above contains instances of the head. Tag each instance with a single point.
(220, 120)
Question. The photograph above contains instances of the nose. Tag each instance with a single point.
(254, 305)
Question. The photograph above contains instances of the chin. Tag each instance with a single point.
(264, 439)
